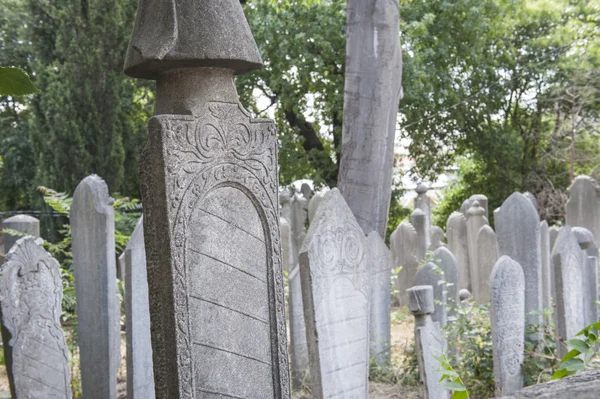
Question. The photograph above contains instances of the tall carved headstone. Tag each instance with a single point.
(428, 341)
(380, 267)
(587, 243)
(518, 233)
(508, 327)
(335, 292)
(31, 297)
(447, 263)
(403, 244)
(483, 202)
(93, 231)
(419, 221)
(432, 275)
(475, 221)
(487, 255)
(583, 205)
(298, 345)
(437, 237)
(140, 375)
(567, 265)
(456, 231)
(546, 271)
(211, 213)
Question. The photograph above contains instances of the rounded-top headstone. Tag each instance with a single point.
(476, 209)
(420, 300)
(585, 238)
(22, 223)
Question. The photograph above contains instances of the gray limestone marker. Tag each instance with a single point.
(380, 267)
(487, 255)
(335, 291)
(437, 238)
(508, 329)
(314, 203)
(31, 296)
(298, 345)
(93, 231)
(518, 233)
(286, 244)
(546, 271)
(586, 242)
(567, 264)
(583, 205)
(140, 375)
(456, 230)
(475, 221)
(483, 202)
(423, 202)
(447, 263)
(403, 244)
(554, 230)
(428, 341)
(211, 211)
(24, 224)
(298, 218)
(419, 221)
(432, 275)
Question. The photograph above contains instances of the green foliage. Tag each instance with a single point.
(15, 82)
(540, 360)
(582, 349)
(450, 379)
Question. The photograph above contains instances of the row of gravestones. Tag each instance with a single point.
(36, 354)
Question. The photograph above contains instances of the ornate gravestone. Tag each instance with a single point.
(518, 233)
(93, 231)
(428, 342)
(419, 221)
(546, 275)
(587, 243)
(567, 264)
(430, 274)
(487, 255)
(380, 267)
(437, 238)
(335, 291)
(403, 244)
(31, 297)
(483, 202)
(456, 230)
(140, 375)
(508, 329)
(298, 345)
(211, 224)
(475, 221)
(583, 205)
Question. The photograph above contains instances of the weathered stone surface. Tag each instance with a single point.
(430, 274)
(518, 233)
(314, 203)
(140, 375)
(487, 255)
(93, 231)
(298, 345)
(567, 264)
(456, 230)
(306, 191)
(403, 244)
(554, 230)
(286, 244)
(507, 322)
(586, 242)
(423, 202)
(464, 294)
(380, 267)
(583, 385)
(428, 342)
(298, 218)
(483, 202)
(475, 221)
(583, 205)
(335, 291)
(419, 221)
(372, 90)
(546, 271)
(31, 297)
(464, 208)
(284, 201)
(447, 263)
(531, 198)
(437, 237)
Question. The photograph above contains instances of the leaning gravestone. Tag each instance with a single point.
(456, 230)
(487, 255)
(567, 264)
(507, 314)
(546, 274)
(419, 221)
(211, 214)
(31, 297)
(428, 342)
(403, 244)
(430, 274)
(335, 292)
(583, 205)
(298, 345)
(475, 221)
(380, 267)
(140, 375)
(93, 231)
(586, 242)
(518, 233)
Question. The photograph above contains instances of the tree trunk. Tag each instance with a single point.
(372, 92)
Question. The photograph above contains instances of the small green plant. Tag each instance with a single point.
(450, 379)
(540, 360)
(582, 351)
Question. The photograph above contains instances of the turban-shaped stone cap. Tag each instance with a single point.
(173, 34)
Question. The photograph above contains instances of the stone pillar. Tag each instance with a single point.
(380, 267)
(403, 244)
(583, 205)
(487, 255)
(211, 210)
(428, 342)
(456, 230)
(99, 330)
(475, 221)
(419, 221)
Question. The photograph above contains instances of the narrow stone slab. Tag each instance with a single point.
(567, 263)
(583, 205)
(298, 218)
(380, 267)
(437, 237)
(487, 255)
(456, 230)
(447, 263)
(335, 292)
(430, 274)
(419, 221)
(518, 233)
(586, 242)
(508, 327)
(298, 345)
(554, 230)
(403, 244)
(286, 245)
(475, 221)
(428, 342)
(546, 271)
(31, 296)
(93, 231)
(140, 375)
